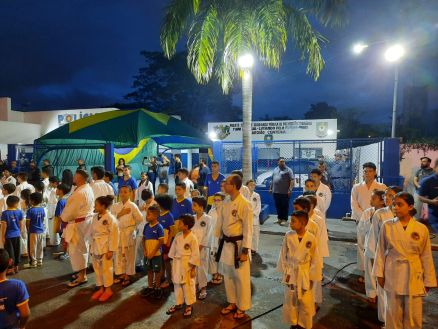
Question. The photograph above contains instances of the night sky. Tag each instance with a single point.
(82, 54)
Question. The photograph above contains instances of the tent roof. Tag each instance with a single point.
(126, 128)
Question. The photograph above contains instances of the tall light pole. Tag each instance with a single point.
(246, 63)
(393, 54)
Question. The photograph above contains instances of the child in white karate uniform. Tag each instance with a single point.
(184, 253)
(299, 264)
(213, 265)
(404, 265)
(128, 216)
(254, 197)
(104, 244)
(52, 201)
(203, 231)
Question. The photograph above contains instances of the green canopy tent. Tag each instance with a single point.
(105, 137)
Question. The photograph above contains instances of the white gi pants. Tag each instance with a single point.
(23, 240)
(317, 291)
(397, 312)
(36, 243)
(78, 246)
(104, 270)
(370, 280)
(185, 293)
(139, 250)
(125, 260)
(202, 270)
(255, 237)
(360, 251)
(54, 236)
(238, 284)
(298, 312)
(213, 266)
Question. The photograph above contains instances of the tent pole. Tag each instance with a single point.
(109, 157)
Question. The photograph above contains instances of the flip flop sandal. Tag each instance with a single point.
(188, 312)
(239, 314)
(228, 310)
(202, 295)
(76, 283)
(173, 309)
(219, 279)
(361, 280)
(126, 283)
(117, 280)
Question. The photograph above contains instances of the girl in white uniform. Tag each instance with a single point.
(184, 253)
(128, 216)
(104, 243)
(202, 230)
(213, 267)
(254, 197)
(299, 263)
(404, 265)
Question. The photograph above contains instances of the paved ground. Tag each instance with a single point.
(55, 306)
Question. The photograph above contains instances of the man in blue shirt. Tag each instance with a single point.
(281, 187)
(14, 298)
(428, 193)
(213, 183)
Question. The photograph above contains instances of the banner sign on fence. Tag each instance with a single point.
(270, 131)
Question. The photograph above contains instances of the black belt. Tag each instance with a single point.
(233, 240)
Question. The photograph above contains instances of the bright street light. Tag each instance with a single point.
(394, 53)
(358, 48)
(246, 61)
(212, 135)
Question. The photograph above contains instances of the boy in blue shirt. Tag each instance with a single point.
(59, 225)
(153, 239)
(12, 224)
(14, 298)
(181, 205)
(35, 221)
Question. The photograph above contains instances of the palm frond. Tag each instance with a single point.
(307, 40)
(175, 22)
(202, 44)
(331, 13)
(269, 31)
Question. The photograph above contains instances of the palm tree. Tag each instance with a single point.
(219, 31)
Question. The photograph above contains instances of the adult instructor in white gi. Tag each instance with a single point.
(234, 230)
(78, 213)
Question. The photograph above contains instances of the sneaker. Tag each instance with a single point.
(30, 265)
(147, 292)
(64, 257)
(40, 264)
(157, 294)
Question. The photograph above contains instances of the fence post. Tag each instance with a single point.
(109, 157)
(12, 153)
(391, 162)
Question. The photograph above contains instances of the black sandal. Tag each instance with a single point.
(126, 282)
(188, 311)
(173, 309)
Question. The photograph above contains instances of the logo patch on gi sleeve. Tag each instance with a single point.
(308, 244)
(415, 236)
(321, 194)
(105, 222)
(186, 246)
(234, 213)
(203, 224)
(254, 199)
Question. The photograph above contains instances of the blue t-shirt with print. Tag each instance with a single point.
(155, 232)
(181, 208)
(13, 293)
(36, 217)
(60, 205)
(213, 186)
(12, 218)
(166, 220)
(130, 182)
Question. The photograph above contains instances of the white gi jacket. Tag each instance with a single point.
(203, 230)
(140, 189)
(322, 239)
(80, 204)
(244, 190)
(104, 234)
(52, 201)
(127, 223)
(361, 197)
(325, 194)
(184, 252)
(256, 207)
(189, 188)
(101, 188)
(23, 186)
(235, 218)
(214, 242)
(300, 261)
(380, 215)
(364, 224)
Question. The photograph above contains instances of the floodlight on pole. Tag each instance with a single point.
(394, 53)
(359, 47)
(246, 61)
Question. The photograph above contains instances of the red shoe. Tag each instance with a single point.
(105, 296)
(97, 295)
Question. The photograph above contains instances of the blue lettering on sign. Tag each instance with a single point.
(67, 118)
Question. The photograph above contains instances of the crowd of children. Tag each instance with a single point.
(177, 243)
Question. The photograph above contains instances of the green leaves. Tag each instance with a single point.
(219, 31)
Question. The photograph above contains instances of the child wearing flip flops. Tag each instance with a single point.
(213, 266)
(104, 244)
(184, 253)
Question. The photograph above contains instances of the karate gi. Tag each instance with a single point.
(51, 207)
(256, 208)
(235, 221)
(213, 243)
(184, 253)
(189, 188)
(299, 263)
(101, 188)
(363, 226)
(404, 259)
(78, 213)
(141, 188)
(363, 230)
(244, 190)
(202, 231)
(125, 255)
(316, 227)
(325, 194)
(23, 186)
(104, 238)
(370, 246)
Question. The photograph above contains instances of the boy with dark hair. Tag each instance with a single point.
(14, 298)
(181, 205)
(183, 175)
(153, 239)
(35, 221)
(7, 190)
(163, 188)
(12, 224)
(108, 178)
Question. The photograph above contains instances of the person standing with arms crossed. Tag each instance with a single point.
(281, 188)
